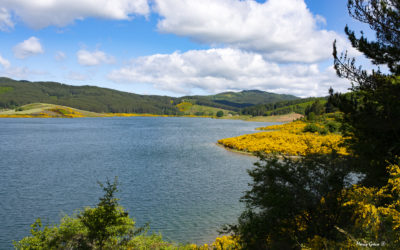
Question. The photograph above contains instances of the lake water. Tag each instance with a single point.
(171, 172)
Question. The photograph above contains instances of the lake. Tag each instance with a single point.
(171, 172)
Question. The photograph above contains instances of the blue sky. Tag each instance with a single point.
(176, 47)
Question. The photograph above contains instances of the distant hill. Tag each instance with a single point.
(237, 100)
(17, 93)
(248, 98)
(102, 100)
(283, 107)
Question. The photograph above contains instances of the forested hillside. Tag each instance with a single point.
(283, 107)
(17, 93)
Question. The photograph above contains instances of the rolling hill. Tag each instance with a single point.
(283, 107)
(15, 93)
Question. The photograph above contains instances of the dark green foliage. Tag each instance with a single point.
(311, 116)
(314, 128)
(236, 100)
(220, 113)
(282, 107)
(250, 97)
(383, 16)
(284, 204)
(106, 220)
(333, 126)
(205, 101)
(372, 110)
(316, 107)
(106, 226)
(82, 97)
(17, 93)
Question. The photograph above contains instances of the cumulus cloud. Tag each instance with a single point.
(42, 13)
(28, 48)
(282, 30)
(217, 70)
(4, 62)
(96, 57)
(5, 20)
(22, 72)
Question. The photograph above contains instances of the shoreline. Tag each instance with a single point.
(260, 119)
(235, 150)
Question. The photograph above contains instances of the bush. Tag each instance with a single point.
(220, 113)
(106, 226)
(311, 116)
(333, 126)
(315, 128)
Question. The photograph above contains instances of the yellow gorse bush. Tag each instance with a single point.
(375, 207)
(184, 106)
(220, 243)
(288, 139)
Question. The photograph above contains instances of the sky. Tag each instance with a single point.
(177, 47)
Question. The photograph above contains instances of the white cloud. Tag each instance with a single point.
(5, 20)
(4, 62)
(282, 30)
(23, 72)
(60, 56)
(42, 13)
(217, 70)
(96, 57)
(28, 48)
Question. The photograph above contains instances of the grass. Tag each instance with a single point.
(199, 110)
(47, 110)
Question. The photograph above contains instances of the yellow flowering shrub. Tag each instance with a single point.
(184, 106)
(220, 243)
(377, 210)
(66, 112)
(288, 139)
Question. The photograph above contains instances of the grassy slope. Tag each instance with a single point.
(46, 110)
(187, 108)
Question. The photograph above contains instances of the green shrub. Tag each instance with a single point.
(312, 128)
(106, 226)
(315, 128)
(333, 126)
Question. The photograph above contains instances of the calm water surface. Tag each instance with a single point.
(171, 172)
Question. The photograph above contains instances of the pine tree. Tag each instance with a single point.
(372, 109)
